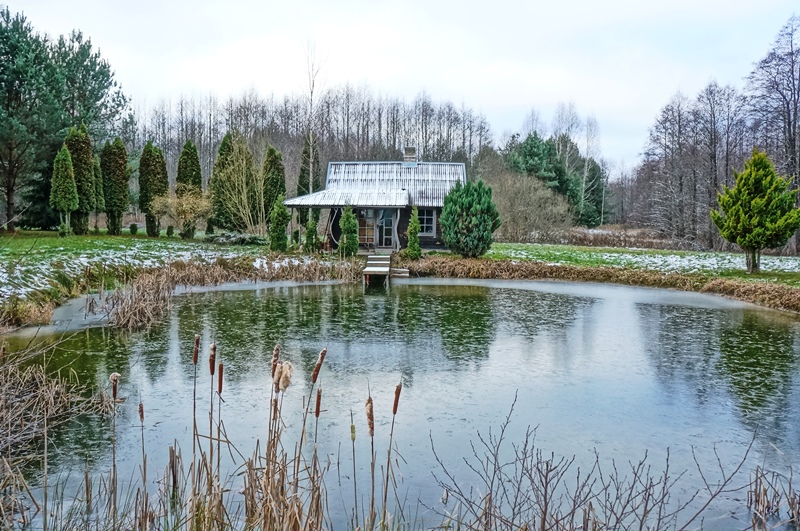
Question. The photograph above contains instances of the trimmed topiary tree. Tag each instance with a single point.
(99, 198)
(279, 218)
(220, 217)
(348, 244)
(148, 167)
(759, 211)
(189, 176)
(469, 217)
(274, 175)
(63, 192)
(113, 164)
(80, 150)
(414, 250)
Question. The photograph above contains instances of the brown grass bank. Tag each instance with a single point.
(776, 296)
(148, 296)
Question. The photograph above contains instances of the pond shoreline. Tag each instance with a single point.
(768, 295)
(762, 293)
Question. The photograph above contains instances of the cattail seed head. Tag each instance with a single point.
(319, 402)
(286, 375)
(370, 418)
(321, 358)
(397, 397)
(219, 379)
(114, 383)
(141, 412)
(212, 359)
(196, 350)
(277, 370)
(353, 432)
(275, 353)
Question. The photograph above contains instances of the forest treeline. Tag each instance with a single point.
(545, 178)
(698, 141)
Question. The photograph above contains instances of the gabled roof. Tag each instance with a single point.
(384, 184)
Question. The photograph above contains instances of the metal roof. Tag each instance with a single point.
(385, 184)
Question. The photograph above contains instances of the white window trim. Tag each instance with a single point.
(433, 225)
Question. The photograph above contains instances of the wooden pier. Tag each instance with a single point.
(380, 266)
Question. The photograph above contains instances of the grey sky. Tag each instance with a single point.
(619, 60)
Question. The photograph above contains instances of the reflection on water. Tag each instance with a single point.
(620, 370)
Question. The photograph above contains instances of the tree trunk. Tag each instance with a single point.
(9, 225)
(753, 260)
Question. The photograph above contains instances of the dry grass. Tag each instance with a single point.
(776, 296)
(147, 297)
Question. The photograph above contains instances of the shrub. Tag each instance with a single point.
(348, 245)
(170, 231)
(279, 218)
(468, 219)
(134, 229)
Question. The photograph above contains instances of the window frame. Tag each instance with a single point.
(432, 216)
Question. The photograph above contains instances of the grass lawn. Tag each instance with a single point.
(778, 269)
(30, 260)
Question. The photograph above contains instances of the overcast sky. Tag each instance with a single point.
(619, 60)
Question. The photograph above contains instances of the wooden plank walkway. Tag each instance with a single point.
(381, 265)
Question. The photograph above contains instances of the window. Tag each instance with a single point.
(427, 222)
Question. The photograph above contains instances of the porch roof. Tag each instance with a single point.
(355, 197)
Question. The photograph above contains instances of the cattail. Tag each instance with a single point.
(219, 380)
(196, 348)
(318, 365)
(141, 412)
(277, 371)
(212, 359)
(319, 402)
(286, 375)
(397, 397)
(114, 383)
(370, 418)
(353, 432)
(275, 353)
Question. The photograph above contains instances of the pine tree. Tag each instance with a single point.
(189, 176)
(348, 244)
(114, 166)
(279, 218)
(80, 150)
(274, 176)
(414, 250)
(759, 211)
(469, 217)
(63, 191)
(99, 199)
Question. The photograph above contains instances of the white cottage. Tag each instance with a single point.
(381, 195)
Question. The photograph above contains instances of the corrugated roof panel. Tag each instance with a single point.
(389, 184)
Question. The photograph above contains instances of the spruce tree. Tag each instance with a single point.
(348, 243)
(414, 249)
(114, 166)
(274, 176)
(469, 217)
(759, 211)
(189, 175)
(80, 150)
(99, 199)
(63, 191)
